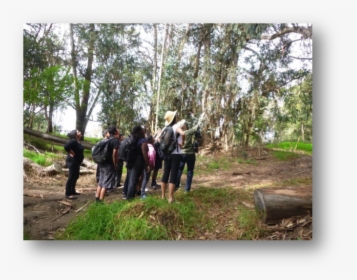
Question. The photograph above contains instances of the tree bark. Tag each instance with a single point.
(277, 204)
(56, 139)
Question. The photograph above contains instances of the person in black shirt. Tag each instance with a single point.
(141, 162)
(74, 159)
(107, 169)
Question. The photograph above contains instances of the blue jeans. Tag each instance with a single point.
(146, 178)
(190, 159)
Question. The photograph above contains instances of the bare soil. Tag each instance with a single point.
(46, 209)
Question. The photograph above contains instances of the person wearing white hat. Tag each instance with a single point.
(172, 161)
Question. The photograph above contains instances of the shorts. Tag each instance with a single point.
(106, 175)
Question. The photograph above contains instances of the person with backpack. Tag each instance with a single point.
(105, 135)
(120, 164)
(107, 168)
(74, 159)
(188, 156)
(172, 153)
(136, 160)
(158, 161)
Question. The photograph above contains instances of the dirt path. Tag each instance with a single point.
(46, 210)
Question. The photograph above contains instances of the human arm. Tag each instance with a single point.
(145, 150)
(179, 130)
(191, 130)
(69, 146)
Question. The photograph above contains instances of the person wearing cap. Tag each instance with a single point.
(172, 161)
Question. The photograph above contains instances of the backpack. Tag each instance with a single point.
(168, 143)
(159, 153)
(122, 147)
(198, 139)
(130, 151)
(100, 152)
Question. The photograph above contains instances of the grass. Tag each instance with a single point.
(207, 165)
(285, 156)
(290, 146)
(198, 215)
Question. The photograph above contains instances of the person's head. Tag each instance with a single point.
(170, 117)
(138, 132)
(117, 134)
(105, 133)
(121, 137)
(74, 134)
(112, 130)
(182, 124)
(150, 139)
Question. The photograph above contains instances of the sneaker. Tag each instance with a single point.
(124, 197)
(155, 187)
(146, 189)
(144, 196)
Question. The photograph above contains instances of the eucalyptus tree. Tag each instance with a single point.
(46, 79)
(122, 76)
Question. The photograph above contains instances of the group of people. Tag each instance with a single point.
(147, 161)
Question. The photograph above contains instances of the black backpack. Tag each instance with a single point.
(100, 152)
(168, 143)
(130, 151)
(122, 147)
(198, 140)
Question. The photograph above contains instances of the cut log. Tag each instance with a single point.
(88, 164)
(277, 204)
(31, 166)
(52, 169)
(82, 171)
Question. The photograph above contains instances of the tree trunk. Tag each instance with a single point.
(56, 139)
(277, 204)
(159, 82)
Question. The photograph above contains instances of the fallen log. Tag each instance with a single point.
(56, 139)
(277, 204)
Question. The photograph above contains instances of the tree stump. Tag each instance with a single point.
(277, 204)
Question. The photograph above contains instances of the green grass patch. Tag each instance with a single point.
(38, 158)
(285, 156)
(195, 214)
(291, 146)
(207, 165)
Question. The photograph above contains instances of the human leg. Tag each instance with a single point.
(70, 180)
(175, 164)
(76, 176)
(119, 172)
(165, 176)
(179, 173)
(133, 181)
(145, 181)
(191, 160)
(106, 180)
